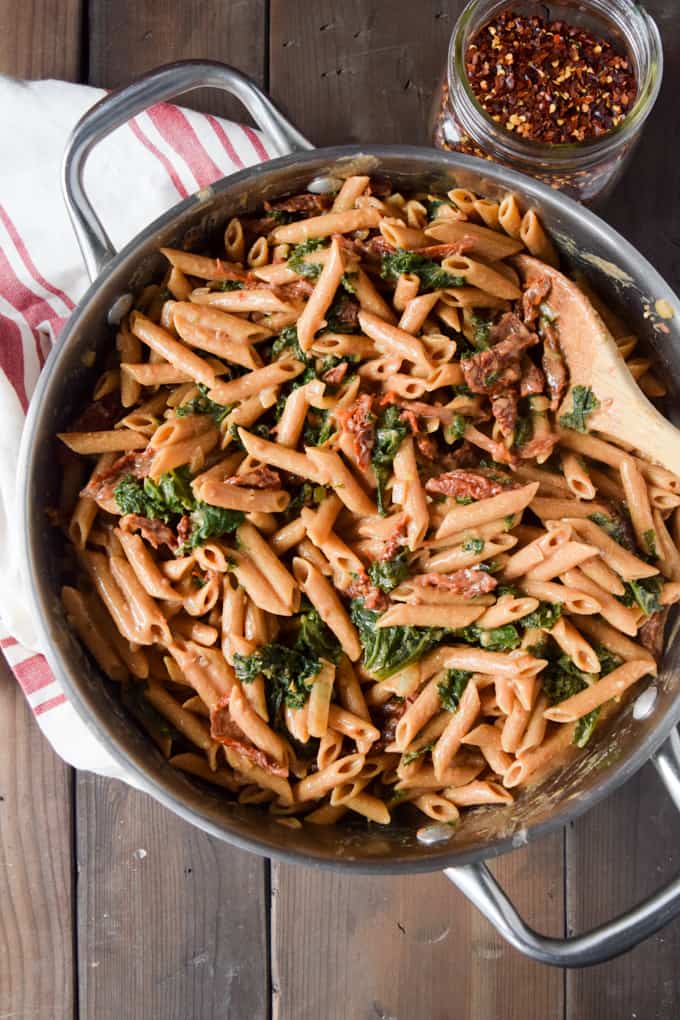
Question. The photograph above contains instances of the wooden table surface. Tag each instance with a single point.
(110, 906)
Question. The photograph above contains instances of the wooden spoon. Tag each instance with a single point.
(594, 361)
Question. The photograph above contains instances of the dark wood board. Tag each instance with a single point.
(185, 912)
(351, 958)
(128, 37)
(171, 923)
(37, 914)
(628, 846)
(616, 855)
(41, 38)
(411, 947)
(356, 71)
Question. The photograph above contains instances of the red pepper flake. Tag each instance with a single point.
(549, 82)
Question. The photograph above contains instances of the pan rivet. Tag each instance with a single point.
(324, 185)
(644, 704)
(432, 834)
(119, 309)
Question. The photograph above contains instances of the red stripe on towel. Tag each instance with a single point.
(163, 160)
(225, 140)
(46, 706)
(178, 132)
(33, 674)
(12, 358)
(28, 262)
(255, 141)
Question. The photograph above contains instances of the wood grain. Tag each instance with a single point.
(401, 948)
(41, 38)
(36, 915)
(128, 37)
(372, 66)
(644, 206)
(171, 923)
(411, 947)
(619, 853)
(628, 846)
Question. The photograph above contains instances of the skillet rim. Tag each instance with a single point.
(433, 859)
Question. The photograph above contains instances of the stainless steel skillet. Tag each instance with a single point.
(646, 727)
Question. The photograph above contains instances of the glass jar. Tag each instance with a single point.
(585, 170)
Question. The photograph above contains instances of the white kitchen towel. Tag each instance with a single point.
(137, 173)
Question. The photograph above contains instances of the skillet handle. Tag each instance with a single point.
(605, 941)
(118, 107)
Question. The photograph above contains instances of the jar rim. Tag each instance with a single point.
(513, 146)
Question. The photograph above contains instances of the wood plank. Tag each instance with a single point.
(387, 948)
(619, 853)
(393, 947)
(372, 69)
(171, 923)
(180, 913)
(41, 38)
(649, 216)
(36, 915)
(127, 38)
(628, 846)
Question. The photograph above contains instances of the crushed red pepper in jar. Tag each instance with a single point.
(561, 95)
(549, 82)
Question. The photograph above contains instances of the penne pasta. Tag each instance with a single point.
(325, 529)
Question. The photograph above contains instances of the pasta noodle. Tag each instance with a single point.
(335, 547)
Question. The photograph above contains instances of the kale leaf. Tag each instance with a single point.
(455, 429)
(160, 500)
(337, 318)
(390, 432)
(171, 497)
(202, 404)
(283, 216)
(451, 688)
(211, 522)
(612, 527)
(562, 679)
(226, 285)
(480, 332)
(608, 661)
(649, 538)
(544, 618)
(319, 427)
(296, 260)
(430, 274)
(307, 495)
(387, 574)
(389, 649)
(418, 752)
(288, 338)
(524, 430)
(584, 402)
(585, 727)
(433, 204)
(644, 593)
(315, 639)
(286, 672)
(131, 499)
(494, 639)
